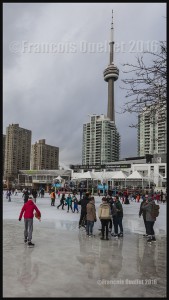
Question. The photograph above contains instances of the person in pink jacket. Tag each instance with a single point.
(28, 210)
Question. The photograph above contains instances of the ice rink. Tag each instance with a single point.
(66, 263)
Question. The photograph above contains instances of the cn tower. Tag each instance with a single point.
(111, 74)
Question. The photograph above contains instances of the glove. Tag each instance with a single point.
(19, 219)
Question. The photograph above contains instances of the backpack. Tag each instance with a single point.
(105, 212)
(155, 210)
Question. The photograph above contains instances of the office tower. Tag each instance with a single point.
(152, 130)
(17, 150)
(44, 157)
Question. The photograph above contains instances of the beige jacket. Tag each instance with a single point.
(104, 212)
(91, 212)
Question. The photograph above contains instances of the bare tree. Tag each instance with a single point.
(146, 85)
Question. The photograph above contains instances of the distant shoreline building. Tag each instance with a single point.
(44, 157)
(152, 130)
(101, 140)
(17, 151)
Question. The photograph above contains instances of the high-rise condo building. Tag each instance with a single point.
(100, 141)
(152, 130)
(17, 150)
(44, 157)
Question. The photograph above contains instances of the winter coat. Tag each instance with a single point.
(28, 209)
(119, 208)
(142, 211)
(91, 212)
(75, 200)
(34, 194)
(148, 208)
(83, 202)
(69, 200)
(62, 198)
(26, 196)
(52, 195)
(101, 208)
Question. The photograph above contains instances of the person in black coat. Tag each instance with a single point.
(83, 202)
(143, 213)
(34, 194)
(26, 195)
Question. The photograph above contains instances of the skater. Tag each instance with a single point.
(69, 202)
(83, 202)
(34, 194)
(42, 192)
(110, 202)
(75, 201)
(117, 219)
(104, 215)
(52, 196)
(161, 196)
(90, 217)
(6, 194)
(143, 213)
(26, 195)
(9, 196)
(150, 219)
(62, 201)
(16, 192)
(28, 209)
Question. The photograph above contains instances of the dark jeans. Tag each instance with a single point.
(52, 202)
(145, 224)
(105, 224)
(82, 216)
(120, 223)
(69, 205)
(61, 203)
(110, 224)
(117, 221)
(150, 230)
(89, 227)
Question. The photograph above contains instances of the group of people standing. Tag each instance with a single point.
(110, 210)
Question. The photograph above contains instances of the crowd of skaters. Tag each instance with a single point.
(110, 212)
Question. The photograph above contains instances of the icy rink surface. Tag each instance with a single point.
(64, 263)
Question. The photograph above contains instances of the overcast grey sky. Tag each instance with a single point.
(52, 78)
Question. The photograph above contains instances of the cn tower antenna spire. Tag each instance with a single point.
(112, 29)
(112, 41)
(111, 74)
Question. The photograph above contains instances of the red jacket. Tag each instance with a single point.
(28, 210)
